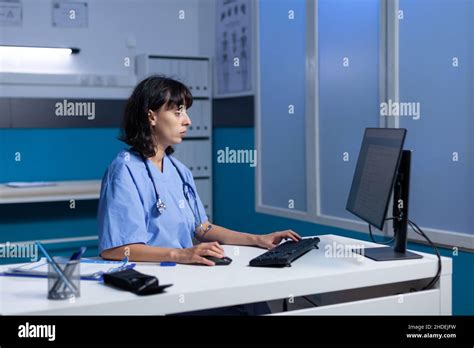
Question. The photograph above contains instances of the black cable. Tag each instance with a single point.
(372, 236)
(418, 230)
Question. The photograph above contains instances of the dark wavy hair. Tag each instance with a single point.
(150, 94)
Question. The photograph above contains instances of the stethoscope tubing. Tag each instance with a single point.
(186, 186)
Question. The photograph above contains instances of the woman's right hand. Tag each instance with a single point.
(196, 253)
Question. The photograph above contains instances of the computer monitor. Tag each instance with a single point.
(382, 166)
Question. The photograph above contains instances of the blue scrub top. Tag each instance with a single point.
(127, 211)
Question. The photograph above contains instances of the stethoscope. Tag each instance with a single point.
(187, 190)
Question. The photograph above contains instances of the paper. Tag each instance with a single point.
(90, 271)
(233, 47)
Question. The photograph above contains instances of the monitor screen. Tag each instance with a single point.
(375, 174)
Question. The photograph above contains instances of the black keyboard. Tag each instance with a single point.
(285, 253)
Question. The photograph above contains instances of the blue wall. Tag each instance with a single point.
(57, 154)
(54, 154)
(234, 208)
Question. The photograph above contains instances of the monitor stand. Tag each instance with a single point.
(388, 254)
(400, 226)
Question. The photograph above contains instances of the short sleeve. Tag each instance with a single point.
(120, 216)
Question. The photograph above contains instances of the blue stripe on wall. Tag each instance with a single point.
(54, 154)
(57, 154)
(30, 221)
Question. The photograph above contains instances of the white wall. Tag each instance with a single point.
(152, 26)
(207, 25)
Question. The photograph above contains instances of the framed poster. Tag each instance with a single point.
(233, 62)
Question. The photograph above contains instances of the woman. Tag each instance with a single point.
(143, 211)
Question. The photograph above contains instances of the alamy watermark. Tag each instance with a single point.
(340, 250)
(81, 109)
(395, 109)
(237, 156)
(28, 330)
(17, 250)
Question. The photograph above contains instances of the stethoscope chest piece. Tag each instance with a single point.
(187, 191)
(160, 205)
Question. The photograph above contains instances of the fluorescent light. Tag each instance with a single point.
(37, 51)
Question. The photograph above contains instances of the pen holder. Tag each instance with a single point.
(58, 287)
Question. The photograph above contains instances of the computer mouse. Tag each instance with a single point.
(219, 261)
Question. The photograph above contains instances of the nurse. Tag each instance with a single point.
(149, 208)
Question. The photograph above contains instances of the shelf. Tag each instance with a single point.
(62, 191)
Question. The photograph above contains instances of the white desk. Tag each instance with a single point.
(201, 287)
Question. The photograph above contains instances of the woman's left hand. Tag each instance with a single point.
(271, 240)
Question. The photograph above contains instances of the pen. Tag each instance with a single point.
(145, 263)
(56, 267)
(163, 264)
(70, 267)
